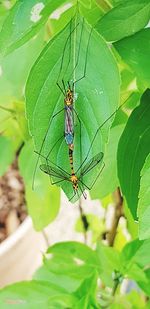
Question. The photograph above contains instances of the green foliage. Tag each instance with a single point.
(37, 50)
(69, 277)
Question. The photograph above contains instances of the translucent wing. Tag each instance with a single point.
(53, 171)
(92, 163)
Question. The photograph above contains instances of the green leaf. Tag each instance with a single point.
(144, 201)
(7, 153)
(135, 252)
(24, 20)
(12, 85)
(125, 19)
(133, 149)
(97, 95)
(67, 281)
(69, 266)
(87, 293)
(109, 259)
(44, 201)
(132, 50)
(108, 180)
(145, 286)
(75, 250)
(30, 294)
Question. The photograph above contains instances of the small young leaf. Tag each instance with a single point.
(124, 20)
(133, 149)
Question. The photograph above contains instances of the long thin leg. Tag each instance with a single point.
(84, 184)
(85, 68)
(61, 66)
(73, 196)
(40, 151)
(60, 89)
(54, 183)
(83, 193)
(78, 54)
(47, 157)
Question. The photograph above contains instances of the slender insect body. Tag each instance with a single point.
(73, 177)
(69, 125)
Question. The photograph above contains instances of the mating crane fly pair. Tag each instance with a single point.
(59, 175)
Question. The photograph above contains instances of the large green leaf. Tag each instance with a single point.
(24, 20)
(30, 295)
(124, 20)
(135, 51)
(44, 201)
(144, 201)
(133, 149)
(7, 153)
(97, 96)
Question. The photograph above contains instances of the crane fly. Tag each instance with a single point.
(67, 87)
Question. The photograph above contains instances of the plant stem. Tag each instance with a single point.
(45, 238)
(84, 221)
(118, 214)
(114, 289)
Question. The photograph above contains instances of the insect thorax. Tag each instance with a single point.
(69, 97)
